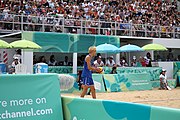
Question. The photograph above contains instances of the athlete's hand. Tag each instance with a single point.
(98, 70)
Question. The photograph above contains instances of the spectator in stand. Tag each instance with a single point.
(15, 62)
(66, 61)
(13, 65)
(142, 61)
(134, 62)
(18, 55)
(98, 62)
(148, 60)
(151, 13)
(110, 62)
(122, 62)
(42, 59)
(34, 59)
(52, 61)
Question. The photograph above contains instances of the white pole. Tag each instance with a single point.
(27, 59)
(117, 57)
(74, 63)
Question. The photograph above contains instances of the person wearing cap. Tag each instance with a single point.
(134, 62)
(13, 65)
(98, 62)
(122, 62)
(15, 62)
(163, 80)
(110, 62)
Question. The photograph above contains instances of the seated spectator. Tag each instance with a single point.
(42, 59)
(52, 61)
(66, 61)
(98, 62)
(142, 61)
(134, 62)
(18, 55)
(148, 60)
(96, 57)
(122, 62)
(15, 62)
(34, 59)
(110, 62)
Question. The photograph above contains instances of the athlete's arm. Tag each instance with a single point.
(88, 60)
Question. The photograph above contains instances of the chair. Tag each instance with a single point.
(20, 69)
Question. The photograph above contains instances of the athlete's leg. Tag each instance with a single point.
(93, 91)
(85, 88)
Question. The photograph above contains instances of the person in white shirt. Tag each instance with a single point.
(13, 65)
(52, 61)
(66, 61)
(98, 62)
(18, 55)
(15, 62)
(163, 80)
(110, 62)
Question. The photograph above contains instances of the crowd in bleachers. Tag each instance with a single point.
(149, 12)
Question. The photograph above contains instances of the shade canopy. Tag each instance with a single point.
(154, 47)
(130, 48)
(4, 44)
(107, 48)
(25, 44)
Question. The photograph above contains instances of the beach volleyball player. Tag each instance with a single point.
(86, 75)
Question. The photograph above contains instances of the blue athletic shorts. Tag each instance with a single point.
(87, 81)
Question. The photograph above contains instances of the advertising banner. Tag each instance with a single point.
(90, 109)
(126, 82)
(30, 97)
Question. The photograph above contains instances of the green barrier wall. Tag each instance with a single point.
(99, 83)
(90, 109)
(176, 69)
(178, 78)
(172, 83)
(153, 71)
(30, 97)
(68, 78)
(126, 82)
(62, 69)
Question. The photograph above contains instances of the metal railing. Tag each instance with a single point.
(14, 23)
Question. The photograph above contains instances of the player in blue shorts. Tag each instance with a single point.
(86, 75)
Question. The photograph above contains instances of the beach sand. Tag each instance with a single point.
(155, 97)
